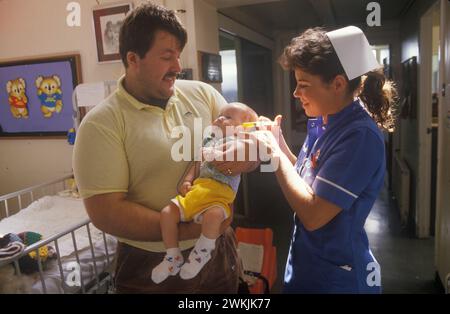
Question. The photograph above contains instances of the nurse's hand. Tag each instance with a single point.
(268, 146)
(275, 128)
(277, 132)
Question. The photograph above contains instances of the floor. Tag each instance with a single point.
(407, 263)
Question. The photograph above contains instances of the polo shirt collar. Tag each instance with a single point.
(136, 103)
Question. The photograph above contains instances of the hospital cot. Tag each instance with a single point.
(84, 255)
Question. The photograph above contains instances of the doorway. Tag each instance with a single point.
(435, 59)
(430, 97)
(247, 78)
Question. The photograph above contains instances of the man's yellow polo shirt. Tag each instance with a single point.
(124, 145)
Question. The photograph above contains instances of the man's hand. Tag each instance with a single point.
(236, 157)
(185, 188)
(234, 168)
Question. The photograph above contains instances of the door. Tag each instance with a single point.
(443, 154)
(428, 48)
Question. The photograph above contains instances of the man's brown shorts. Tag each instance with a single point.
(220, 274)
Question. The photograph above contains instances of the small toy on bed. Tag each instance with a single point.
(29, 263)
(72, 191)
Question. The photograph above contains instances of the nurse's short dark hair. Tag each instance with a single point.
(137, 32)
(313, 53)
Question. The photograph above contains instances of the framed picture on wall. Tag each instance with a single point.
(107, 23)
(409, 89)
(186, 74)
(36, 95)
(210, 67)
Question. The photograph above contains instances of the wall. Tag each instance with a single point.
(185, 11)
(388, 34)
(283, 92)
(201, 22)
(27, 162)
(407, 133)
(206, 30)
(443, 181)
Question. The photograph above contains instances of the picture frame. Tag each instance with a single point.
(210, 67)
(36, 95)
(186, 74)
(409, 89)
(107, 21)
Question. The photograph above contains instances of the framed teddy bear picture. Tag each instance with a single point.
(107, 22)
(36, 96)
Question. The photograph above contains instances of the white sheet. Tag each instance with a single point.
(53, 214)
(50, 215)
(86, 270)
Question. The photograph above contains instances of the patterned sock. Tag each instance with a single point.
(170, 266)
(198, 257)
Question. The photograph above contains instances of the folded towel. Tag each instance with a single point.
(13, 244)
(11, 249)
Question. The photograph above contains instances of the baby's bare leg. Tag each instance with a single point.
(201, 253)
(212, 220)
(170, 217)
(171, 264)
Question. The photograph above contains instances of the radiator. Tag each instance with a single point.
(401, 186)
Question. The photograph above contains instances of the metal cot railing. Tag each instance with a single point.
(32, 191)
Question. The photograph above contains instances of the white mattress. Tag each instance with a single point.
(53, 214)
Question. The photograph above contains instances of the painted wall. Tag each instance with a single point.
(201, 21)
(37, 28)
(407, 133)
(443, 201)
(206, 30)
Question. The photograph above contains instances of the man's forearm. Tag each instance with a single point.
(129, 220)
(125, 219)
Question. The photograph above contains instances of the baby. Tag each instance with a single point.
(205, 200)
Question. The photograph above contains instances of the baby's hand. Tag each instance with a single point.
(185, 187)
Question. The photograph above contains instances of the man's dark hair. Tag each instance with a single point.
(139, 27)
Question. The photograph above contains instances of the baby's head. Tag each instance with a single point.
(233, 115)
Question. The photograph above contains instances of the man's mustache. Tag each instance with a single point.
(171, 75)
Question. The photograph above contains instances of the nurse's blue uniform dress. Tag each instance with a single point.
(344, 163)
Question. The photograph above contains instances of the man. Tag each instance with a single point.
(123, 164)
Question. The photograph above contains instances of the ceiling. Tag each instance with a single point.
(267, 16)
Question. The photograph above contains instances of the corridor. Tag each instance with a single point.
(407, 263)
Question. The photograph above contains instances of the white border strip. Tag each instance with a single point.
(337, 186)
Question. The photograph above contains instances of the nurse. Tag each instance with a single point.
(333, 183)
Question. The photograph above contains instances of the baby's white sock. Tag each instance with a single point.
(198, 257)
(170, 266)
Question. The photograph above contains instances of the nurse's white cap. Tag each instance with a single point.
(353, 50)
